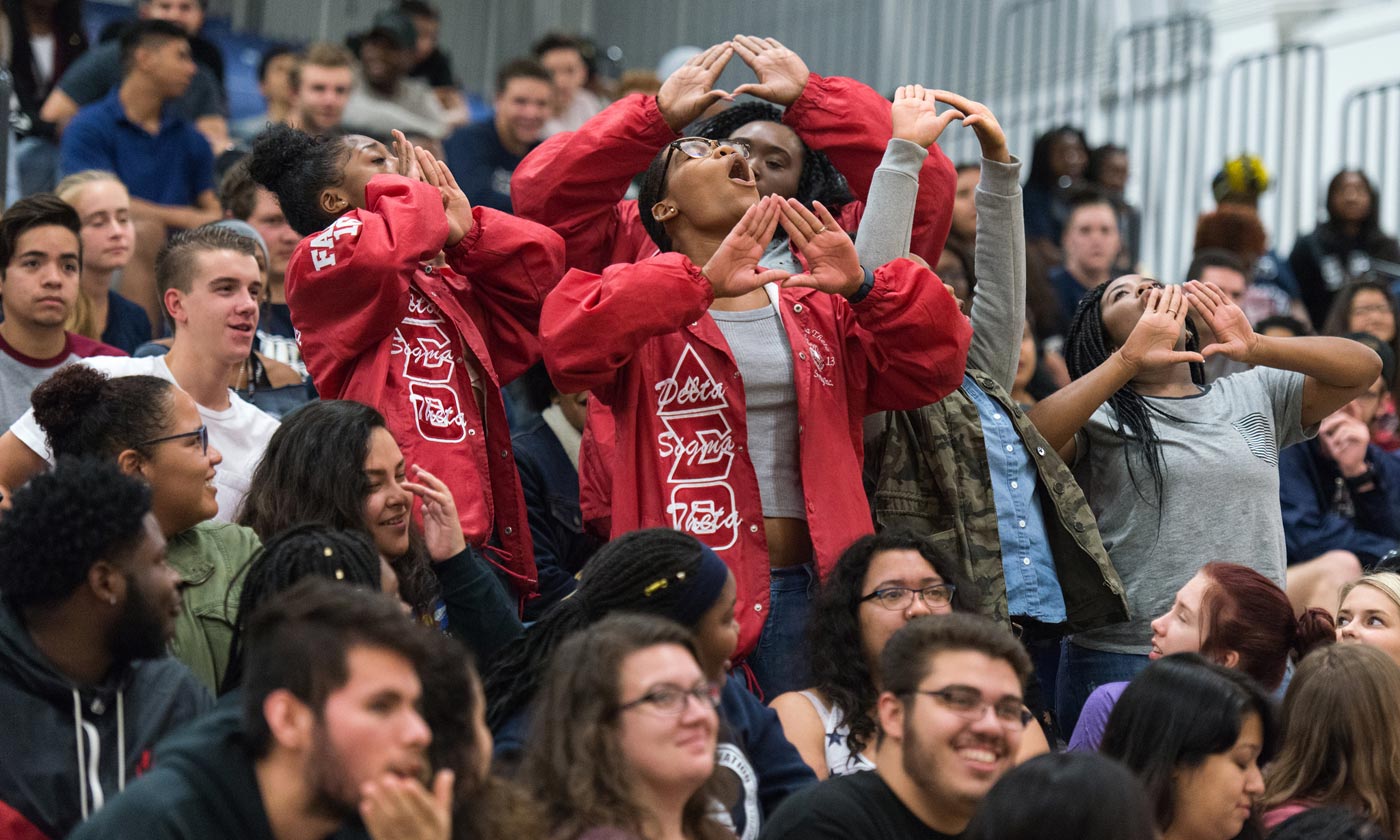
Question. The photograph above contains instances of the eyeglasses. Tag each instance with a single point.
(967, 702)
(902, 597)
(703, 147)
(1371, 309)
(202, 433)
(672, 699)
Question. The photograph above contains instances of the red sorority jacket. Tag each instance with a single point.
(575, 181)
(377, 324)
(677, 399)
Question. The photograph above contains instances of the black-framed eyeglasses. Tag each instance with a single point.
(968, 703)
(702, 147)
(902, 597)
(202, 433)
(672, 699)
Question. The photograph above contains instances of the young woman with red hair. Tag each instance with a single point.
(1232, 615)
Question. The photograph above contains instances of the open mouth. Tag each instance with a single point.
(397, 522)
(740, 173)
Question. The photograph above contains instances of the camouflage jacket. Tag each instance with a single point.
(931, 475)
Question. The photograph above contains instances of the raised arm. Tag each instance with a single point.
(1336, 370)
(850, 123)
(575, 181)
(593, 324)
(1151, 346)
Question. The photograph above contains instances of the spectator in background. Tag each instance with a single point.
(483, 155)
(1058, 161)
(101, 69)
(246, 200)
(1283, 326)
(166, 165)
(1091, 244)
(321, 85)
(40, 245)
(546, 455)
(434, 66)
(1367, 306)
(565, 59)
(645, 82)
(88, 608)
(385, 97)
(1368, 613)
(965, 203)
(275, 74)
(1341, 493)
(1225, 270)
(108, 237)
(1239, 183)
(1346, 246)
(38, 42)
(1236, 229)
(1108, 170)
(211, 281)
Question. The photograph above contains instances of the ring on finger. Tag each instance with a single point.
(819, 231)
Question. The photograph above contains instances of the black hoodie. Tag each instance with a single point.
(203, 787)
(66, 749)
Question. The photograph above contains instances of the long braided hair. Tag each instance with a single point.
(1087, 345)
(299, 552)
(648, 571)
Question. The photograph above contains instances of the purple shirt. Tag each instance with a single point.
(1088, 732)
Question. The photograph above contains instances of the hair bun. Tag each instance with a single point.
(276, 152)
(65, 399)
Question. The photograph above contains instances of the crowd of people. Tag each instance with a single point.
(646, 460)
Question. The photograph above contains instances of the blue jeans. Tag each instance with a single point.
(780, 660)
(1081, 671)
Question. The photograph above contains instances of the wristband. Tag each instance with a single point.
(865, 286)
(1355, 484)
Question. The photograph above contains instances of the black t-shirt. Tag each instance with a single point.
(859, 805)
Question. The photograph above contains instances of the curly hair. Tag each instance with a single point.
(819, 180)
(574, 765)
(648, 571)
(313, 472)
(62, 522)
(838, 663)
(296, 167)
(1087, 345)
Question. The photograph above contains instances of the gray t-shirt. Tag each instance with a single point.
(99, 70)
(764, 355)
(1219, 452)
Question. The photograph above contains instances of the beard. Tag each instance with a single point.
(141, 630)
(333, 793)
(922, 767)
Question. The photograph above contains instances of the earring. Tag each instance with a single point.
(112, 599)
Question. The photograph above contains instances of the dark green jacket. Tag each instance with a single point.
(931, 475)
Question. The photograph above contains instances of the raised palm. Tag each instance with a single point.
(690, 90)
(782, 74)
(733, 270)
(832, 263)
(914, 116)
(1234, 337)
(1152, 343)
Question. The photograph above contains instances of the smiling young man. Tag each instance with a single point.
(329, 704)
(951, 719)
(40, 261)
(321, 86)
(90, 603)
(210, 284)
(484, 154)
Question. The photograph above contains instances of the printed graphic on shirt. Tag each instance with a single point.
(1258, 434)
(821, 357)
(699, 444)
(323, 246)
(732, 762)
(428, 353)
